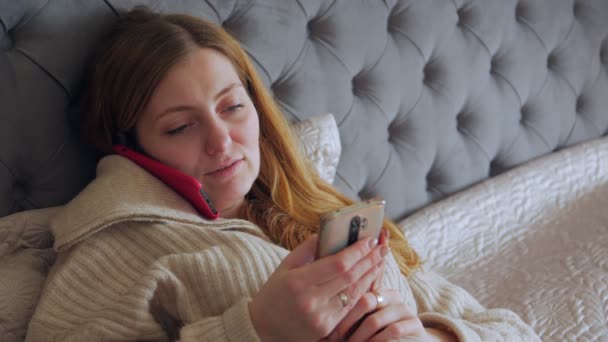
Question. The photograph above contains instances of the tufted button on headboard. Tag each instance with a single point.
(431, 96)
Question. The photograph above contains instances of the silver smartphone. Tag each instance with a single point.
(343, 227)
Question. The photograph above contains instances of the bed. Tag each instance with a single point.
(481, 123)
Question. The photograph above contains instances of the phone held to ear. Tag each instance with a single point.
(187, 186)
(343, 227)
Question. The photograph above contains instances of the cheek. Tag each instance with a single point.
(180, 156)
(249, 132)
(183, 158)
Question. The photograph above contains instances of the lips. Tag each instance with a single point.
(224, 166)
(225, 169)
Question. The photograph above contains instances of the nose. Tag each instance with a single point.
(218, 138)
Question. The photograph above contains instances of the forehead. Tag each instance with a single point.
(204, 66)
(192, 82)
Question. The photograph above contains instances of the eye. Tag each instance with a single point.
(177, 130)
(234, 108)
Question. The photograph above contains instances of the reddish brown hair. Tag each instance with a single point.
(287, 198)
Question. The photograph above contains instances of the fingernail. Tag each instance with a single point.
(373, 243)
(384, 251)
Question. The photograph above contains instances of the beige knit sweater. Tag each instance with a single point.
(137, 263)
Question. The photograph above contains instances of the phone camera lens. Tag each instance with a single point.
(364, 223)
(353, 231)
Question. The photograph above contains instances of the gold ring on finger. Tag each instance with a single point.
(343, 299)
(379, 299)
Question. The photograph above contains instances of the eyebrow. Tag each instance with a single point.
(182, 108)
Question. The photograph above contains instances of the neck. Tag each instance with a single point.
(233, 211)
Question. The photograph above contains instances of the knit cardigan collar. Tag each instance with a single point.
(123, 191)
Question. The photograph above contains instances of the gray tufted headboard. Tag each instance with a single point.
(431, 96)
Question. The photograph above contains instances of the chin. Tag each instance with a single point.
(226, 197)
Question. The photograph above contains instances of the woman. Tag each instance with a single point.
(136, 262)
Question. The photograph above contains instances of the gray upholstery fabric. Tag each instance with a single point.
(431, 96)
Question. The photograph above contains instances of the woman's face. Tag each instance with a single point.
(201, 121)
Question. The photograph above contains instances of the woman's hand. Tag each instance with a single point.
(379, 315)
(304, 299)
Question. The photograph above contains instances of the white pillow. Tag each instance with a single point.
(319, 139)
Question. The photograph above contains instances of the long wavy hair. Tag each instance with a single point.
(288, 197)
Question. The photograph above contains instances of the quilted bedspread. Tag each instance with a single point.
(534, 240)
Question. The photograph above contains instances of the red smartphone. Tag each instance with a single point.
(186, 185)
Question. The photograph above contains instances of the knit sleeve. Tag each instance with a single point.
(184, 298)
(445, 306)
(233, 325)
(205, 294)
(129, 286)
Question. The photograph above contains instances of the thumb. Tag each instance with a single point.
(301, 255)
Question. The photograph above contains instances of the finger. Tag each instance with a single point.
(378, 282)
(383, 240)
(330, 267)
(395, 311)
(359, 289)
(366, 304)
(410, 327)
(353, 294)
(301, 255)
(383, 236)
(357, 280)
